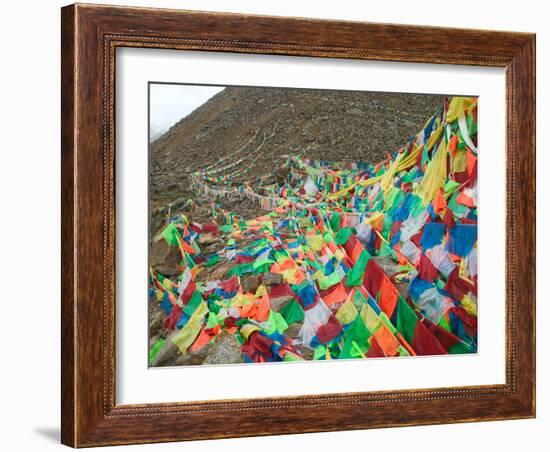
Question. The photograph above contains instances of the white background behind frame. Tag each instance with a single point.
(37, 428)
(137, 384)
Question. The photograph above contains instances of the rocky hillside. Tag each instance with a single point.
(265, 123)
(247, 132)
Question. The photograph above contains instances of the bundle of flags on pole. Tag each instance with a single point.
(353, 260)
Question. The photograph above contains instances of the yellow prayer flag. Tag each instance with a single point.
(347, 312)
(315, 242)
(370, 319)
(191, 330)
(248, 329)
(435, 175)
(460, 162)
(469, 305)
(261, 291)
(459, 105)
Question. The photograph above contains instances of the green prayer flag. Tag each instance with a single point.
(155, 349)
(459, 348)
(406, 319)
(241, 269)
(450, 186)
(458, 209)
(355, 275)
(320, 352)
(403, 351)
(357, 331)
(328, 281)
(212, 260)
(342, 236)
(194, 302)
(292, 357)
(327, 237)
(335, 221)
(212, 320)
(292, 312)
(170, 234)
(276, 322)
(262, 262)
(443, 323)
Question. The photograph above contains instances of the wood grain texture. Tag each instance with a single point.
(67, 225)
(90, 36)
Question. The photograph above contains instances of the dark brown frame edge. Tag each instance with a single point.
(90, 36)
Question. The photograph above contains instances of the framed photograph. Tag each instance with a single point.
(282, 225)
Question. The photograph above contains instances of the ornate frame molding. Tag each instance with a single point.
(90, 37)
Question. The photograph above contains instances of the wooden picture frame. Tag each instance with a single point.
(90, 36)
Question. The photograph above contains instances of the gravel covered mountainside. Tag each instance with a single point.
(271, 122)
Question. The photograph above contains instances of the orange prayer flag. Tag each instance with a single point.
(172, 298)
(248, 310)
(405, 344)
(337, 295)
(262, 314)
(452, 145)
(465, 200)
(299, 276)
(455, 258)
(186, 247)
(388, 296)
(287, 264)
(439, 204)
(402, 260)
(377, 222)
(202, 339)
(386, 340)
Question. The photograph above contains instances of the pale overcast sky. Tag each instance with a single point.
(170, 103)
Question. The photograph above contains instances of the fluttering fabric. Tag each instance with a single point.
(353, 260)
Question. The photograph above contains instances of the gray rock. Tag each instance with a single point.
(156, 320)
(270, 279)
(354, 111)
(388, 265)
(164, 258)
(192, 359)
(294, 329)
(207, 238)
(226, 350)
(221, 271)
(279, 303)
(250, 283)
(167, 355)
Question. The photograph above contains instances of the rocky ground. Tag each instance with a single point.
(259, 126)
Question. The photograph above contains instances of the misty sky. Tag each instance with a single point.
(170, 103)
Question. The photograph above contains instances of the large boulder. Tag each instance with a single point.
(165, 259)
(226, 350)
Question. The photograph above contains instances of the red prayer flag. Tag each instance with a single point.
(426, 270)
(329, 331)
(425, 343)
